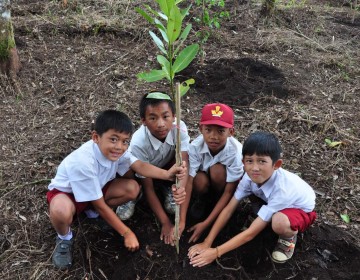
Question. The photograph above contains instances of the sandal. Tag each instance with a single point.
(284, 250)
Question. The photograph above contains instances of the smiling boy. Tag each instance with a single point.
(288, 203)
(215, 165)
(87, 177)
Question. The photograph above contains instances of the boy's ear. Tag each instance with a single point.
(95, 137)
(232, 131)
(278, 164)
(143, 121)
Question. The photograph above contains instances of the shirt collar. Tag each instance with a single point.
(205, 148)
(100, 157)
(268, 187)
(156, 143)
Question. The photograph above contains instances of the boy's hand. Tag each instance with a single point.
(178, 194)
(179, 171)
(203, 257)
(130, 241)
(197, 249)
(198, 230)
(167, 233)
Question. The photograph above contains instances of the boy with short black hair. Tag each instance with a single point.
(154, 142)
(215, 165)
(288, 203)
(87, 177)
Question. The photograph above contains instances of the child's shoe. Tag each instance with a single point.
(169, 202)
(62, 256)
(284, 249)
(125, 211)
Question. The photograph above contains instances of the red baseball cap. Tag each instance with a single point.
(218, 114)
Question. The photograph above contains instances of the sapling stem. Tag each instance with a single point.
(178, 160)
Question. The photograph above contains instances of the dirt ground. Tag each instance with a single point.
(296, 74)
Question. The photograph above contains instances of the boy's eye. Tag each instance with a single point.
(126, 142)
(113, 139)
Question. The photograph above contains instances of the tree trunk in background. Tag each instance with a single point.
(9, 59)
(267, 8)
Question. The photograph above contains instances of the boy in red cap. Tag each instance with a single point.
(215, 165)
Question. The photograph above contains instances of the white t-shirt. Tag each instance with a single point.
(86, 170)
(283, 190)
(148, 148)
(230, 156)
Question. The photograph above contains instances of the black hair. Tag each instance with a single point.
(263, 144)
(145, 102)
(113, 119)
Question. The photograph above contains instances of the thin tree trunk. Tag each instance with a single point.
(9, 59)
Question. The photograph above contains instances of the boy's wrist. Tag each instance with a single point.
(125, 232)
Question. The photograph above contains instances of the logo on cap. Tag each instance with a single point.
(217, 112)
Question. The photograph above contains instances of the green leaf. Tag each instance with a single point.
(145, 15)
(345, 218)
(156, 13)
(185, 11)
(165, 64)
(158, 95)
(174, 24)
(333, 144)
(185, 86)
(158, 42)
(185, 57)
(152, 76)
(166, 5)
(183, 37)
(162, 30)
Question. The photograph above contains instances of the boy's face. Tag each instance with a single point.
(215, 136)
(112, 144)
(260, 168)
(159, 120)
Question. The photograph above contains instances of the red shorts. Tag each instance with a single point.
(299, 220)
(79, 206)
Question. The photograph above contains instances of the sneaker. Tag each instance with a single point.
(169, 202)
(284, 250)
(125, 211)
(62, 256)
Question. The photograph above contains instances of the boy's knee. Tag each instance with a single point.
(218, 175)
(63, 212)
(133, 190)
(280, 223)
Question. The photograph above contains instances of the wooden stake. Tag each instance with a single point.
(178, 160)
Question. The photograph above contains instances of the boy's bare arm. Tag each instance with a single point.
(148, 170)
(208, 255)
(219, 224)
(130, 240)
(222, 202)
(156, 207)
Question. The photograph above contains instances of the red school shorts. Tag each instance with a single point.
(79, 206)
(299, 220)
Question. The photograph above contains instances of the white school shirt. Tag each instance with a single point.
(148, 148)
(283, 190)
(230, 156)
(86, 170)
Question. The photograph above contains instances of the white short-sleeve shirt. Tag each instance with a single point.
(86, 170)
(230, 156)
(148, 148)
(283, 190)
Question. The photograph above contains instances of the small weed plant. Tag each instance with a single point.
(170, 39)
(213, 12)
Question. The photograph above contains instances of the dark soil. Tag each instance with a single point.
(295, 74)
